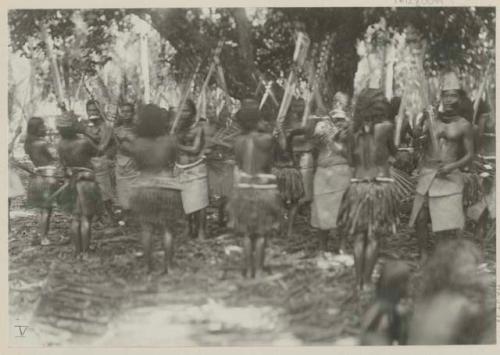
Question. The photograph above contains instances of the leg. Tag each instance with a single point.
(260, 253)
(147, 245)
(108, 207)
(75, 232)
(168, 246)
(342, 240)
(222, 207)
(201, 224)
(359, 258)
(371, 253)
(324, 240)
(85, 230)
(479, 231)
(292, 213)
(247, 255)
(422, 232)
(45, 225)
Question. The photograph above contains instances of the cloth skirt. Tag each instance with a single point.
(194, 181)
(330, 183)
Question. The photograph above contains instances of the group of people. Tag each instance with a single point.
(340, 165)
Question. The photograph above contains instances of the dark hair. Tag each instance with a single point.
(248, 115)
(192, 106)
(370, 102)
(33, 126)
(68, 132)
(151, 121)
(91, 102)
(128, 104)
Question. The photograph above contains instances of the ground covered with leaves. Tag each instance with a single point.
(108, 299)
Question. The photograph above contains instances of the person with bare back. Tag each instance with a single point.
(192, 170)
(156, 193)
(448, 144)
(254, 208)
(369, 207)
(44, 181)
(81, 196)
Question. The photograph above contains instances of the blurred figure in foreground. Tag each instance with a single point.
(453, 305)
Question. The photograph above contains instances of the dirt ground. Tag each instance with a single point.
(107, 299)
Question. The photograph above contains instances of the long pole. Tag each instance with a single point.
(56, 76)
(145, 67)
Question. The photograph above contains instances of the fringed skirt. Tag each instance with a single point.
(220, 178)
(290, 185)
(42, 186)
(255, 207)
(369, 206)
(156, 199)
(82, 195)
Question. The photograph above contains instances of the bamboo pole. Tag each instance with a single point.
(481, 91)
(144, 51)
(184, 97)
(56, 76)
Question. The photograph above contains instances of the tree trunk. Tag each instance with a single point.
(246, 50)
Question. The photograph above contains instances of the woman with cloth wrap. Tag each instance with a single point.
(332, 174)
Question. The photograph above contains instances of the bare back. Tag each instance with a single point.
(371, 151)
(154, 154)
(76, 152)
(254, 153)
(38, 151)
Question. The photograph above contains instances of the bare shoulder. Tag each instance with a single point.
(264, 139)
(466, 125)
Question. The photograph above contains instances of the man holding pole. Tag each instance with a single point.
(448, 147)
(102, 135)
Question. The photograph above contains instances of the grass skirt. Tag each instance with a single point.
(290, 185)
(254, 209)
(82, 195)
(157, 200)
(41, 187)
(220, 178)
(369, 207)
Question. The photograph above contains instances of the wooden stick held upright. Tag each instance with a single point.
(184, 97)
(482, 87)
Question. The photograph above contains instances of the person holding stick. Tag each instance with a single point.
(125, 168)
(254, 209)
(332, 174)
(286, 169)
(448, 147)
(192, 170)
(43, 182)
(102, 135)
(369, 206)
(81, 195)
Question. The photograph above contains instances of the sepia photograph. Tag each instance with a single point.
(266, 176)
